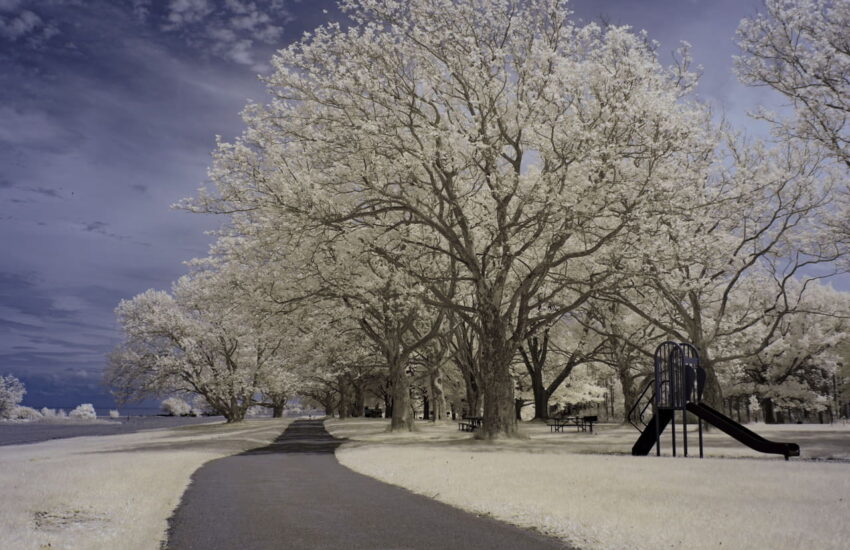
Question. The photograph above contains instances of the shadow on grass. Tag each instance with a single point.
(231, 438)
(607, 439)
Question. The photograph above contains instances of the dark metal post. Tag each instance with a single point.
(655, 410)
(673, 429)
(700, 437)
(685, 396)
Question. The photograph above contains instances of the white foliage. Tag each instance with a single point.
(83, 412)
(497, 141)
(53, 413)
(800, 49)
(11, 393)
(25, 413)
(175, 407)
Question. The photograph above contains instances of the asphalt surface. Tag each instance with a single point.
(294, 495)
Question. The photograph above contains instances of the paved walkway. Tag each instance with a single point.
(293, 494)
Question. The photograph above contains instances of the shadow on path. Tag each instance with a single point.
(302, 436)
(294, 494)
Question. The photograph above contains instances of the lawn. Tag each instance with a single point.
(589, 491)
(110, 492)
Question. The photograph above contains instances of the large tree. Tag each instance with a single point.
(208, 337)
(801, 48)
(796, 368)
(755, 221)
(520, 146)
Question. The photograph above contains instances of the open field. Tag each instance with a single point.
(589, 491)
(17, 433)
(110, 492)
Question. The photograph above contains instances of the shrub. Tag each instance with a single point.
(52, 413)
(175, 406)
(201, 407)
(25, 413)
(83, 412)
(11, 393)
(114, 414)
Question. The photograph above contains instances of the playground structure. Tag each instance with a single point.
(677, 386)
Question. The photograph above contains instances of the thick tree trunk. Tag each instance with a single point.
(474, 397)
(519, 404)
(499, 411)
(438, 396)
(767, 408)
(344, 402)
(627, 381)
(426, 407)
(234, 411)
(402, 417)
(541, 396)
(359, 404)
(713, 393)
(277, 410)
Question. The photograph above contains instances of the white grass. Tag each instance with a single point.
(553, 483)
(109, 492)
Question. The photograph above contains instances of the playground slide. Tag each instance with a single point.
(646, 441)
(742, 434)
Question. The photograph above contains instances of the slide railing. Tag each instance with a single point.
(642, 404)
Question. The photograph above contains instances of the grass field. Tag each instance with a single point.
(589, 491)
(110, 492)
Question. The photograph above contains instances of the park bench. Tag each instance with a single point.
(581, 423)
(470, 423)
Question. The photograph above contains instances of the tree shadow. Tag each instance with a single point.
(302, 436)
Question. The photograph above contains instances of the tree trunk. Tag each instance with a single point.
(344, 402)
(277, 410)
(473, 398)
(426, 406)
(359, 404)
(627, 381)
(438, 395)
(767, 408)
(388, 406)
(712, 394)
(541, 396)
(402, 417)
(499, 411)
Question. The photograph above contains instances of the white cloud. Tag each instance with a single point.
(141, 9)
(230, 29)
(183, 12)
(240, 52)
(24, 25)
(15, 27)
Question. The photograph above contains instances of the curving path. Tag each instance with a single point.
(293, 494)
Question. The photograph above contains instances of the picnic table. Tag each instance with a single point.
(470, 423)
(582, 423)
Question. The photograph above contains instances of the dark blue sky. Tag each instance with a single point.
(108, 113)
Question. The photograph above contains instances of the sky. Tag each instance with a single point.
(109, 110)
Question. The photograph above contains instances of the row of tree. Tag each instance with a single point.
(483, 198)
